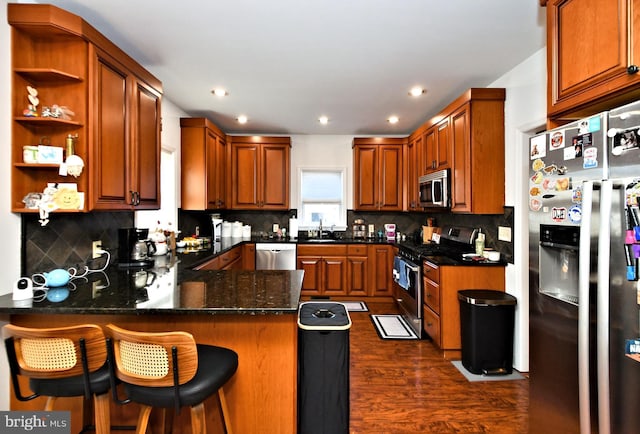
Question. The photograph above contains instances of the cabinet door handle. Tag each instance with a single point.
(632, 69)
(133, 197)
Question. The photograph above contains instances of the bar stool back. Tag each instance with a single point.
(61, 362)
(169, 370)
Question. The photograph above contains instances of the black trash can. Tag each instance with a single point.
(323, 368)
(487, 320)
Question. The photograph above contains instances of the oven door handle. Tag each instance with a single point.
(413, 268)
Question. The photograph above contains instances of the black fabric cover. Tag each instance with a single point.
(323, 382)
(72, 386)
(216, 365)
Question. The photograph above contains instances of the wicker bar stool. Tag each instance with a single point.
(62, 362)
(169, 370)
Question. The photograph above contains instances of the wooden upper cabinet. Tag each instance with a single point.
(260, 172)
(437, 147)
(116, 105)
(593, 55)
(203, 166)
(126, 151)
(378, 173)
(477, 132)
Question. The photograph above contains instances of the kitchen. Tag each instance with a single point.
(305, 147)
(525, 112)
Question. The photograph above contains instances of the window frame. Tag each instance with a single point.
(342, 171)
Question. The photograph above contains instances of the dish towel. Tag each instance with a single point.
(400, 272)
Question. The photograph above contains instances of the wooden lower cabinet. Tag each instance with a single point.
(358, 270)
(238, 258)
(325, 269)
(441, 308)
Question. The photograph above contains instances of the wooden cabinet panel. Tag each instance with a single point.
(203, 165)
(414, 169)
(312, 267)
(146, 147)
(357, 275)
(588, 71)
(365, 177)
(390, 181)
(260, 172)
(112, 157)
(249, 257)
(378, 174)
(380, 266)
(334, 270)
(437, 147)
(460, 180)
(276, 176)
(431, 324)
(432, 295)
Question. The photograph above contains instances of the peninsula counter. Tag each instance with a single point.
(251, 312)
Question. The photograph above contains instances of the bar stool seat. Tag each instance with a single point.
(216, 365)
(165, 370)
(62, 362)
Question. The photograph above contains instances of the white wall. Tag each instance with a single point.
(525, 110)
(320, 151)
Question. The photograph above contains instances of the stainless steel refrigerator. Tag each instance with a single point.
(583, 286)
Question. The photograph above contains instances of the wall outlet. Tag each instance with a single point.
(504, 233)
(95, 247)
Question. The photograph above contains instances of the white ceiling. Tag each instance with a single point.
(287, 62)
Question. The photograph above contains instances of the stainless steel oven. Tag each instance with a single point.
(407, 274)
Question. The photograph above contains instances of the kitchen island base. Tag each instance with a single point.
(261, 396)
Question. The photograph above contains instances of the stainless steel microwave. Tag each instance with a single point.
(434, 190)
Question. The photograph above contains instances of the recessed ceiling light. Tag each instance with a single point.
(416, 91)
(242, 119)
(393, 119)
(218, 91)
(323, 120)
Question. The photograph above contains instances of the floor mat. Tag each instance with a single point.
(392, 327)
(356, 306)
(515, 375)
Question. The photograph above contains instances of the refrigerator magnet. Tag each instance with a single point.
(557, 140)
(538, 146)
(590, 160)
(575, 214)
(558, 214)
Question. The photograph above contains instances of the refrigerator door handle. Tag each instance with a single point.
(602, 296)
(584, 262)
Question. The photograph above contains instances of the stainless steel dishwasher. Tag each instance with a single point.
(275, 256)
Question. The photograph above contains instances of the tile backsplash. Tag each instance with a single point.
(66, 240)
(406, 222)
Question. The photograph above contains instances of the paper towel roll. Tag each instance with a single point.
(293, 228)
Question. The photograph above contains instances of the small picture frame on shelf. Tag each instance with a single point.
(50, 154)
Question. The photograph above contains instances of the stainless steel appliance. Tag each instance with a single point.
(134, 248)
(455, 242)
(583, 285)
(407, 274)
(434, 189)
(275, 256)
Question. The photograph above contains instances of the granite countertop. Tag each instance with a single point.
(172, 286)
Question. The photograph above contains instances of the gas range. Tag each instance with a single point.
(454, 243)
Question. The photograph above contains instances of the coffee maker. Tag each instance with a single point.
(134, 248)
(359, 229)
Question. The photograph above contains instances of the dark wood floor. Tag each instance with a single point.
(407, 387)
